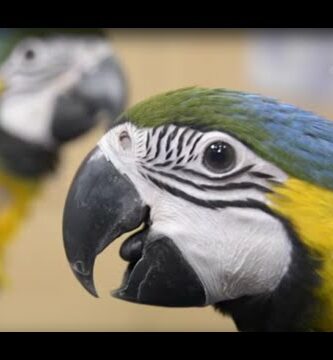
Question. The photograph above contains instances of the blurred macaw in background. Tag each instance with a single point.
(54, 83)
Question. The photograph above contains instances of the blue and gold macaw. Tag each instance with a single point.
(231, 197)
(54, 84)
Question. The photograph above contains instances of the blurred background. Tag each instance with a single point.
(293, 66)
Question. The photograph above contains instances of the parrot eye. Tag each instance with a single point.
(29, 54)
(219, 157)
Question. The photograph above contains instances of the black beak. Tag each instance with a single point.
(103, 89)
(101, 205)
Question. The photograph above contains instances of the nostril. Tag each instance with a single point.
(79, 267)
(131, 249)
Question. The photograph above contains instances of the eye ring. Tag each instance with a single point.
(125, 140)
(219, 157)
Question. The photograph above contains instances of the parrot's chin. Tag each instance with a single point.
(121, 290)
(158, 274)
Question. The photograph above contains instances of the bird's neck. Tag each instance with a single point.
(303, 301)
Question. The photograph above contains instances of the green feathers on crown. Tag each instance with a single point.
(205, 108)
(9, 38)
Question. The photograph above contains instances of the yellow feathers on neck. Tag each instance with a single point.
(310, 210)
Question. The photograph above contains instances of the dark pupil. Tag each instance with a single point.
(29, 54)
(219, 156)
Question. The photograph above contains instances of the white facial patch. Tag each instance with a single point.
(218, 221)
(234, 251)
(29, 116)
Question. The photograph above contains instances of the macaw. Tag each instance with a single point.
(54, 84)
(229, 198)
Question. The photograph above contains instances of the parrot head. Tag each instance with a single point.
(54, 83)
(222, 190)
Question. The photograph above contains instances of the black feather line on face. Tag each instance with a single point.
(190, 158)
(261, 175)
(148, 153)
(154, 131)
(174, 177)
(165, 164)
(194, 133)
(172, 135)
(211, 204)
(180, 160)
(168, 155)
(147, 141)
(204, 187)
(161, 135)
(181, 140)
(212, 178)
(195, 144)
